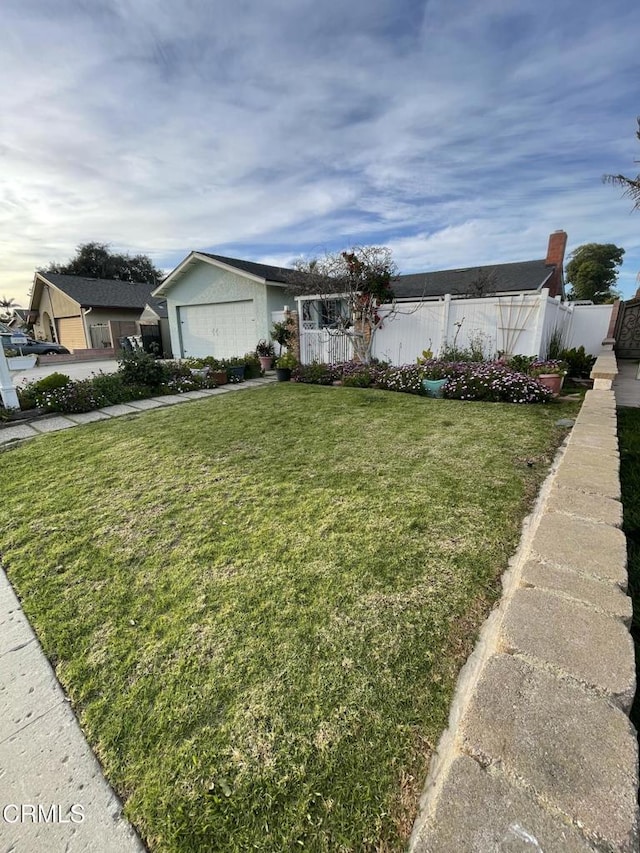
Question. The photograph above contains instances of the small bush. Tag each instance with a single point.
(579, 364)
(493, 382)
(52, 381)
(521, 363)
(315, 374)
(110, 388)
(140, 368)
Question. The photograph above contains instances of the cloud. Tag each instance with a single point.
(454, 135)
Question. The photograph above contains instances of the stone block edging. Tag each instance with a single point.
(539, 737)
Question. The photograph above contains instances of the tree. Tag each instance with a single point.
(592, 272)
(631, 186)
(96, 260)
(362, 277)
(7, 308)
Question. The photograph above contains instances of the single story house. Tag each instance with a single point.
(86, 313)
(222, 306)
(155, 316)
(510, 279)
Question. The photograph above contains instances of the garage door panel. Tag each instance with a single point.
(222, 329)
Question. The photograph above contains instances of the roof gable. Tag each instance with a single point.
(100, 292)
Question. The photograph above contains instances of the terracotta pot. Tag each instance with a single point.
(219, 377)
(553, 381)
(265, 361)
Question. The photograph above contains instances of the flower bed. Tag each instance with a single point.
(489, 381)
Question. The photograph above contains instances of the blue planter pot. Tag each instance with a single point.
(434, 387)
(236, 374)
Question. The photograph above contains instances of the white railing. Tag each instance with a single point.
(324, 345)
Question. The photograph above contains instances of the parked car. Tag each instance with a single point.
(33, 347)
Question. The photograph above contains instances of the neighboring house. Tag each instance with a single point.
(222, 306)
(492, 280)
(86, 313)
(155, 316)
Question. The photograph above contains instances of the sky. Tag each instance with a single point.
(455, 132)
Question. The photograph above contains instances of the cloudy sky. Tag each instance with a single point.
(456, 132)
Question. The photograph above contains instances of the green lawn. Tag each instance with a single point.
(629, 438)
(259, 603)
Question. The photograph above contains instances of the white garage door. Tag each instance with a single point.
(224, 329)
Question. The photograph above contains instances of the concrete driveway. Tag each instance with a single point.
(73, 369)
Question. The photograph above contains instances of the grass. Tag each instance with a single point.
(259, 603)
(629, 439)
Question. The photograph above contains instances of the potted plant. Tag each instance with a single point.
(283, 333)
(284, 365)
(265, 353)
(435, 374)
(235, 369)
(549, 373)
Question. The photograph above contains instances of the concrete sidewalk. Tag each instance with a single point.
(55, 423)
(72, 369)
(626, 385)
(54, 797)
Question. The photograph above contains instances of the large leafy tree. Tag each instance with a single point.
(593, 271)
(96, 260)
(362, 276)
(631, 186)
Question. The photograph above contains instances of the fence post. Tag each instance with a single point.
(444, 326)
(7, 391)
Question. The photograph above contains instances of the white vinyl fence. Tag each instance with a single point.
(519, 324)
(324, 345)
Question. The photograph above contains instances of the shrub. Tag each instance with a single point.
(140, 368)
(72, 397)
(406, 379)
(521, 363)
(551, 365)
(316, 373)
(252, 367)
(109, 389)
(52, 381)
(579, 364)
(495, 383)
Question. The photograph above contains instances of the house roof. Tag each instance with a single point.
(499, 278)
(159, 306)
(279, 274)
(101, 292)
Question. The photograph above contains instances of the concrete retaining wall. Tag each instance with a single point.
(540, 753)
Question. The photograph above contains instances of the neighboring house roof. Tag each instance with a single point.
(497, 278)
(158, 306)
(100, 292)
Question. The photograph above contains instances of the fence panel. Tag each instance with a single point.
(100, 336)
(588, 327)
(324, 345)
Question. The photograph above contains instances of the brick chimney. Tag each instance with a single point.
(555, 257)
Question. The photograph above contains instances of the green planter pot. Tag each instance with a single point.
(434, 387)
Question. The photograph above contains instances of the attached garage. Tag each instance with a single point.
(223, 306)
(224, 329)
(71, 333)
